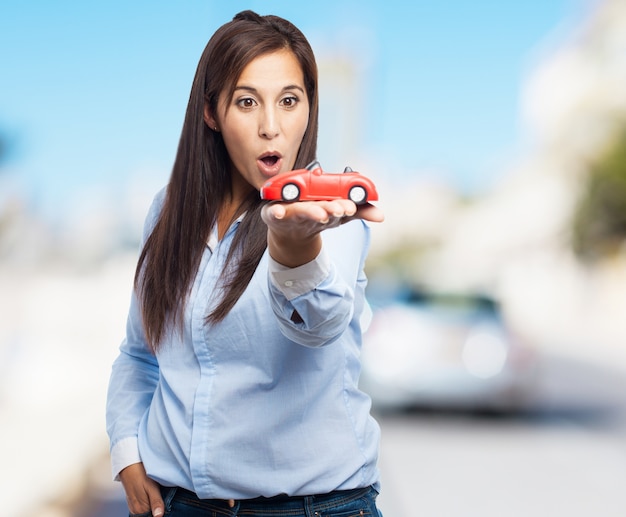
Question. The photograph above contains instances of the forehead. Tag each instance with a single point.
(272, 70)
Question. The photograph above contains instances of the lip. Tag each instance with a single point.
(269, 170)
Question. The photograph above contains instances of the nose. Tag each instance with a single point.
(269, 124)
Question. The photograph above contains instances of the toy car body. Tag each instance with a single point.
(313, 184)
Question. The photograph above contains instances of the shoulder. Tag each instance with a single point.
(348, 245)
(154, 212)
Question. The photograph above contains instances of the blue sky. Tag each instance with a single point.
(92, 92)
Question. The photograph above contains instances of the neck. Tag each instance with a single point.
(233, 202)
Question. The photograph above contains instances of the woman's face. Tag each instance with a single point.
(264, 122)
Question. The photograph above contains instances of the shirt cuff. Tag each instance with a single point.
(294, 282)
(124, 453)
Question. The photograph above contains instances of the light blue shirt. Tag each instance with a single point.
(256, 405)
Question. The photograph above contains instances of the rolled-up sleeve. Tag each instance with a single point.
(294, 282)
(314, 303)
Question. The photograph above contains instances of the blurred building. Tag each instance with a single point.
(515, 240)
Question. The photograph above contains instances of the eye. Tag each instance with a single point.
(246, 102)
(289, 102)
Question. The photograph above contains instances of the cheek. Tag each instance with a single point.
(234, 141)
(236, 152)
(300, 128)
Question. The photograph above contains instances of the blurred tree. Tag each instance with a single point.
(3, 148)
(7, 147)
(599, 224)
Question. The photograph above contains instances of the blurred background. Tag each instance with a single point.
(496, 132)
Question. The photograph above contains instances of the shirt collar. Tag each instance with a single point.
(213, 241)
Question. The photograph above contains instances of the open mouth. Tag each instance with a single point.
(270, 160)
(269, 164)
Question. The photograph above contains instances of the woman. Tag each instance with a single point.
(235, 390)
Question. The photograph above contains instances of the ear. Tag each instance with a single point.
(209, 119)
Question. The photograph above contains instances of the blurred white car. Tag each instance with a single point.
(445, 351)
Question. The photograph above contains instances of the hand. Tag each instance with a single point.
(294, 228)
(142, 493)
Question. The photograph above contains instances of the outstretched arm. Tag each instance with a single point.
(313, 287)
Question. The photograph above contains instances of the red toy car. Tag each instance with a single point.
(313, 184)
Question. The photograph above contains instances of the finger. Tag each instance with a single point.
(138, 505)
(272, 211)
(277, 211)
(348, 208)
(371, 213)
(338, 207)
(368, 212)
(156, 501)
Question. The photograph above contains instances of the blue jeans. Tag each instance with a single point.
(360, 502)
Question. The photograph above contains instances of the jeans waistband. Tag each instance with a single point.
(317, 502)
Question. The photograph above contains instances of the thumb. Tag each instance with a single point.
(157, 507)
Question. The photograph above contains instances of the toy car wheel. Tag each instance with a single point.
(358, 195)
(290, 192)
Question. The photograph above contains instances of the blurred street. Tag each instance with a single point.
(566, 456)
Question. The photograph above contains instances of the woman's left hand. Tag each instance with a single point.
(294, 228)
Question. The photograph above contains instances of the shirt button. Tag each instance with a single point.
(288, 283)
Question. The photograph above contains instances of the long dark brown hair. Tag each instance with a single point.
(200, 179)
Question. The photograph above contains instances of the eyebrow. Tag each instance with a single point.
(284, 89)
